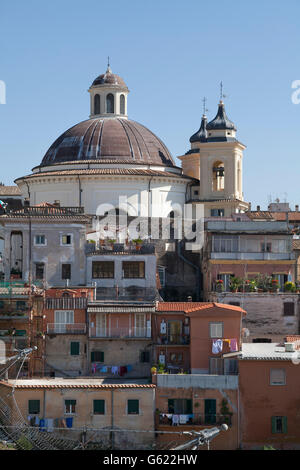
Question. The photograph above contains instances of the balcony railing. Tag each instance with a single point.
(66, 328)
(46, 210)
(174, 419)
(134, 332)
(174, 339)
(121, 248)
(65, 303)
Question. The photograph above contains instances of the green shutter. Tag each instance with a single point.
(273, 424)
(133, 407)
(284, 424)
(75, 348)
(171, 405)
(189, 407)
(99, 407)
(33, 407)
(97, 356)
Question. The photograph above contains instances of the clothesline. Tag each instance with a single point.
(217, 345)
(115, 370)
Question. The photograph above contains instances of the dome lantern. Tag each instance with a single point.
(108, 96)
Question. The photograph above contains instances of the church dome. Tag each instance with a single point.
(108, 139)
(109, 78)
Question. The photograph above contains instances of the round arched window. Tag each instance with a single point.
(122, 104)
(110, 104)
(97, 104)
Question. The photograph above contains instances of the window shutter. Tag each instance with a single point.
(273, 424)
(75, 348)
(145, 356)
(171, 405)
(189, 407)
(99, 406)
(289, 309)
(33, 406)
(284, 424)
(97, 356)
(133, 407)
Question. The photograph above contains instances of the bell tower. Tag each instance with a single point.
(216, 159)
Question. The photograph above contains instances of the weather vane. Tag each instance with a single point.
(221, 92)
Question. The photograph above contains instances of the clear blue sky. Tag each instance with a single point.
(170, 53)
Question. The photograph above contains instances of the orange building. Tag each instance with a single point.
(269, 376)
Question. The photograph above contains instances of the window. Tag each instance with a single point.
(133, 407)
(97, 356)
(21, 305)
(225, 244)
(266, 247)
(145, 356)
(218, 177)
(180, 406)
(174, 332)
(1, 304)
(64, 317)
(66, 239)
(162, 275)
(33, 407)
(277, 376)
(39, 271)
(103, 269)
(216, 329)
(122, 104)
(66, 271)
(279, 424)
(288, 309)
(70, 406)
(99, 407)
(133, 269)
(74, 348)
(217, 212)
(216, 366)
(97, 104)
(40, 240)
(110, 103)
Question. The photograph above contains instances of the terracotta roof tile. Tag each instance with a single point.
(9, 191)
(188, 307)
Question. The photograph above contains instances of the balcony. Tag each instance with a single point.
(46, 211)
(172, 419)
(126, 294)
(66, 328)
(120, 333)
(120, 248)
(179, 340)
(65, 303)
(201, 381)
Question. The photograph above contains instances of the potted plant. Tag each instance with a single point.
(219, 285)
(235, 283)
(289, 286)
(274, 285)
(153, 370)
(112, 241)
(138, 242)
(263, 282)
(15, 273)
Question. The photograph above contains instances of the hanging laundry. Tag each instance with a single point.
(114, 370)
(50, 425)
(94, 368)
(129, 368)
(69, 422)
(233, 345)
(175, 420)
(103, 369)
(217, 346)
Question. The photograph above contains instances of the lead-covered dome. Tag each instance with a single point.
(110, 139)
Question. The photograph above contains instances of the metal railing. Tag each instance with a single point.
(133, 332)
(46, 210)
(65, 303)
(66, 328)
(200, 419)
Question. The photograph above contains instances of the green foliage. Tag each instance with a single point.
(23, 443)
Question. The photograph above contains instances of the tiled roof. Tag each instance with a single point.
(77, 384)
(9, 191)
(260, 215)
(188, 307)
(294, 216)
(266, 352)
(104, 172)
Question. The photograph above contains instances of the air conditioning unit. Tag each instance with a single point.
(289, 347)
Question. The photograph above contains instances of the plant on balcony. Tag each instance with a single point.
(263, 282)
(249, 285)
(225, 412)
(153, 370)
(235, 283)
(289, 286)
(219, 285)
(138, 242)
(275, 285)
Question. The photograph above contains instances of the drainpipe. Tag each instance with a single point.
(80, 190)
(112, 436)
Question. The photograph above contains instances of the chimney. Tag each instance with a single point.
(258, 208)
(296, 208)
(56, 203)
